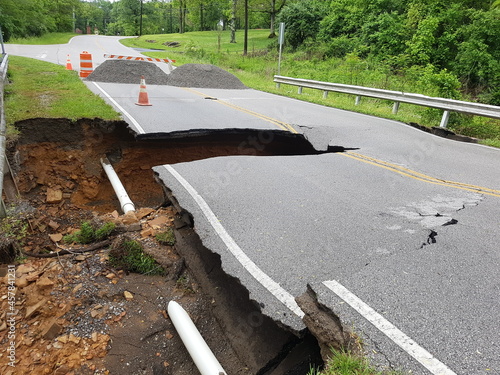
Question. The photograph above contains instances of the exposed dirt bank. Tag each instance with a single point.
(73, 315)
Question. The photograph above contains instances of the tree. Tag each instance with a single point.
(272, 9)
(182, 16)
(23, 18)
(127, 15)
(232, 22)
(302, 20)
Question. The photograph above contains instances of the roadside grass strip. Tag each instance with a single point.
(40, 89)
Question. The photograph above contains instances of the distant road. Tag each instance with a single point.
(399, 236)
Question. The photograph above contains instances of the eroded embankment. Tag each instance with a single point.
(58, 168)
(57, 154)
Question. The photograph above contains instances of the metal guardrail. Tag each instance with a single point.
(3, 128)
(448, 105)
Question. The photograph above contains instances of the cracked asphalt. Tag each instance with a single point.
(302, 225)
(359, 218)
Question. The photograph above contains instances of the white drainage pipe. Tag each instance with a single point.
(202, 356)
(125, 202)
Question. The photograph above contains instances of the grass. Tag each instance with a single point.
(88, 233)
(208, 40)
(166, 238)
(40, 89)
(131, 257)
(50, 38)
(256, 70)
(13, 227)
(345, 363)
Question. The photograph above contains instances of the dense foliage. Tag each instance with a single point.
(454, 43)
(20, 18)
(452, 46)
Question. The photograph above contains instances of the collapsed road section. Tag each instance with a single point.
(61, 181)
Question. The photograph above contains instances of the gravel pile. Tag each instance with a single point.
(125, 71)
(204, 76)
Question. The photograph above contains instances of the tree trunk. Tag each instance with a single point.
(181, 30)
(171, 18)
(201, 16)
(182, 16)
(232, 24)
(272, 33)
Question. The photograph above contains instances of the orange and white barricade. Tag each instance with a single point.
(85, 64)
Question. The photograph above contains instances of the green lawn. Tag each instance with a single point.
(208, 40)
(256, 70)
(42, 89)
(50, 38)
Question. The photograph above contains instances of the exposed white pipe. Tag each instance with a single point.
(202, 356)
(125, 202)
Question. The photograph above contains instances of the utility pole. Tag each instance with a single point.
(140, 22)
(245, 42)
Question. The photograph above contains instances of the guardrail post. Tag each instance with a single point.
(444, 119)
(395, 108)
(299, 91)
(325, 94)
(358, 99)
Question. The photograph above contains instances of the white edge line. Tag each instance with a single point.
(272, 286)
(121, 109)
(402, 340)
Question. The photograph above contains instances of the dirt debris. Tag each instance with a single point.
(125, 71)
(204, 76)
(325, 326)
(76, 314)
(187, 75)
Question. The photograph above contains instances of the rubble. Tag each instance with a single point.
(128, 71)
(204, 76)
(76, 314)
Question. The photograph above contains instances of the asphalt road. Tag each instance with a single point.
(176, 109)
(58, 53)
(399, 237)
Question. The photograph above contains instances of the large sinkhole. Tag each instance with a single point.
(57, 154)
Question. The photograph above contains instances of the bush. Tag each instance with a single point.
(342, 45)
(302, 21)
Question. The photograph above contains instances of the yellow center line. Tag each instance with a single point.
(280, 124)
(425, 176)
(420, 176)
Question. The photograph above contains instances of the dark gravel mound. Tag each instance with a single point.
(124, 71)
(204, 76)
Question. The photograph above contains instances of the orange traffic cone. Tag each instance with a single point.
(68, 64)
(143, 95)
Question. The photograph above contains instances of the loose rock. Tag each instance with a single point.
(124, 71)
(204, 76)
